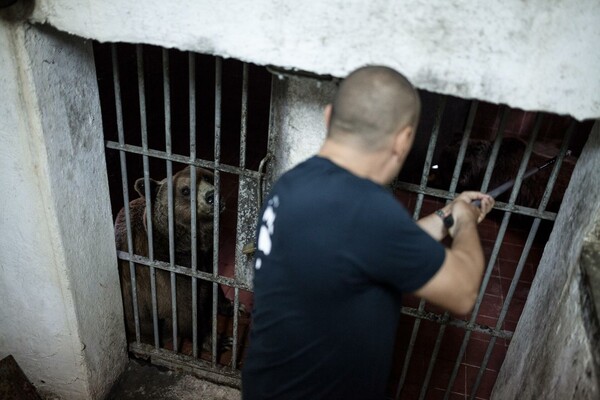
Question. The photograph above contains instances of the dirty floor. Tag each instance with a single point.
(142, 381)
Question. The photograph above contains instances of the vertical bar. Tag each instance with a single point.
(446, 316)
(217, 204)
(236, 311)
(430, 150)
(243, 134)
(463, 147)
(167, 100)
(426, 168)
(524, 254)
(144, 128)
(495, 148)
(244, 116)
(501, 233)
(125, 184)
(193, 199)
(434, 353)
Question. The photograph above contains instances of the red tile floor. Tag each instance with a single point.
(493, 301)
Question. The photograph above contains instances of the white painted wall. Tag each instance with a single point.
(60, 311)
(534, 55)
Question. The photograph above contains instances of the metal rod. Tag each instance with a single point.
(434, 354)
(525, 253)
(181, 362)
(217, 203)
(496, 250)
(463, 147)
(495, 149)
(182, 159)
(244, 117)
(453, 183)
(193, 198)
(125, 186)
(420, 196)
(429, 156)
(442, 194)
(222, 280)
(236, 318)
(439, 319)
(171, 217)
(149, 229)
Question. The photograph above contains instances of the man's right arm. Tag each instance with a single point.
(456, 285)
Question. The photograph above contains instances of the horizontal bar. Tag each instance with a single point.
(182, 159)
(443, 194)
(433, 317)
(200, 368)
(123, 255)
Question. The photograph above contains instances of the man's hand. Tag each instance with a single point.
(456, 285)
(464, 212)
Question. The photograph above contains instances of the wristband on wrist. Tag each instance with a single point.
(446, 219)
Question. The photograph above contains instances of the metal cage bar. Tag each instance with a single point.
(460, 158)
(183, 159)
(243, 134)
(492, 261)
(524, 254)
(420, 196)
(125, 186)
(193, 198)
(453, 183)
(170, 205)
(495, 149)
(217, 204)
(144, 131)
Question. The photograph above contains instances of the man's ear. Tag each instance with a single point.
(140, 187)
(327, 114)
(404, 140)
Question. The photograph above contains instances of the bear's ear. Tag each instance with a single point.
(140, 187)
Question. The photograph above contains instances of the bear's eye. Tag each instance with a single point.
(185, 191)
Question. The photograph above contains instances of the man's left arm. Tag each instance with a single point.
(433, 224)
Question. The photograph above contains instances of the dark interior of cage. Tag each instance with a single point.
(436, 353)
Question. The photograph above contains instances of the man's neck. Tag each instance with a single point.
(370, 165)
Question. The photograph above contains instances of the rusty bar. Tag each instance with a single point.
(183, 159)
(171, 217)
(420, 196)
(495, 251)
(125, 185)
(193, 198)
(525, 253)
(217, 203)
(144, 128)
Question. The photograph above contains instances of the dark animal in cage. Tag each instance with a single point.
(183, 255)
(507, 165)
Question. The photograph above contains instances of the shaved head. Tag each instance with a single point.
(371, 104)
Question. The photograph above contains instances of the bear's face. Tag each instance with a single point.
(182, 196)
(182, 204)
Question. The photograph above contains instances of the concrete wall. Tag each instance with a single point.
(298, 120)
(60, 310)
(554, 352)
(534, 55)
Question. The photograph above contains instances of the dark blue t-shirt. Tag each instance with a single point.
(335, 252)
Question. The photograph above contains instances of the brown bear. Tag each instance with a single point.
(507, 165)
(160, 234)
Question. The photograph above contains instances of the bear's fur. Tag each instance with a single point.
(160, 235)
(507, 165)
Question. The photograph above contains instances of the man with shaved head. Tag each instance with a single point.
(336, 251)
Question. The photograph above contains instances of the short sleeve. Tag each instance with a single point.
(391, 248)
